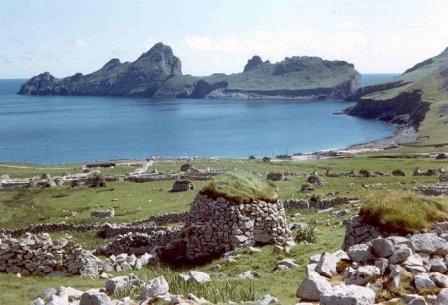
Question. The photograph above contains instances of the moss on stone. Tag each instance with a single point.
(240, 187)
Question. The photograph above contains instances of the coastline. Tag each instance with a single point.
(403, 135)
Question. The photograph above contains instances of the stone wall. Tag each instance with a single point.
(106, 229)
(141, 242)
(215, 226)
(321, 203)
(33, 254)
(434, 189)
(357, 232)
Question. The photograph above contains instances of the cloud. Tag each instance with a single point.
(347, 26)
(275, 44)
(80, 43)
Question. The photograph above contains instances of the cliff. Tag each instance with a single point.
(158, 74)
(417, 97)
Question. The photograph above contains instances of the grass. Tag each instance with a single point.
(403, 212)
(307, 234)
(239, 187)
(132, 201)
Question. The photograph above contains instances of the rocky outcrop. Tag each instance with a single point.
(407, 98)
(255, 61)
(360, 92)
(140, 78)
(158, 74)
(406, 108)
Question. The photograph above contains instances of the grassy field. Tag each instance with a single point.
(132, 201)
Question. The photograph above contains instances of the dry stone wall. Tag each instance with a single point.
(434, 189)
(215, 226)
(372, 272)
(323, 203)
(33, 254)
(357, 232)
(106, 229)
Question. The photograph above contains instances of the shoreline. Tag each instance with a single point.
(403, 135)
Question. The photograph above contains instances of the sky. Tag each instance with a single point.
(210, 36)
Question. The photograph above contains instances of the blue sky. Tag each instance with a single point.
(65, 37)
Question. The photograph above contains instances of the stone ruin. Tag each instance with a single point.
(105, 213)
(441, 156)
(379, 268)
(433, 189)
(216, 226)
(37, 254)
(398, 173)
(182, 185)
(213, 226)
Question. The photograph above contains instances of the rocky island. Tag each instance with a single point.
(158, 74)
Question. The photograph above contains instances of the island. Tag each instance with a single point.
(157, 73)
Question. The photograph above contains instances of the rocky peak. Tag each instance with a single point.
(111, 64)
(159, 58)
(45, 76)
(39, 84)
(252, 63)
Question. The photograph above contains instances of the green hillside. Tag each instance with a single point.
(431, 77)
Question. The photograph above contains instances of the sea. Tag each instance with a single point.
(71, 129)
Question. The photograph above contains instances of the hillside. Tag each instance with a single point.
(418, 97)
(158, 74)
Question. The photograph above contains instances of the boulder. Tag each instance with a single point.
(195, 276)
(348, 295)
(429, 243)
(95, 297)
(120, 282)
(313, 287)
(423, 281)
(400, 255)
(57, 300)
(69, 292)
(155, 287)
(441, 280)
(327, 264)
(414, 299)
(438, 265)
(363, 275)
(360, 253)
(382, 247)
(442, 297)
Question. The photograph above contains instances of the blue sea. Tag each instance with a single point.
(55, 129)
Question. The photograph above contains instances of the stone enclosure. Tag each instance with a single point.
(215, 226)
